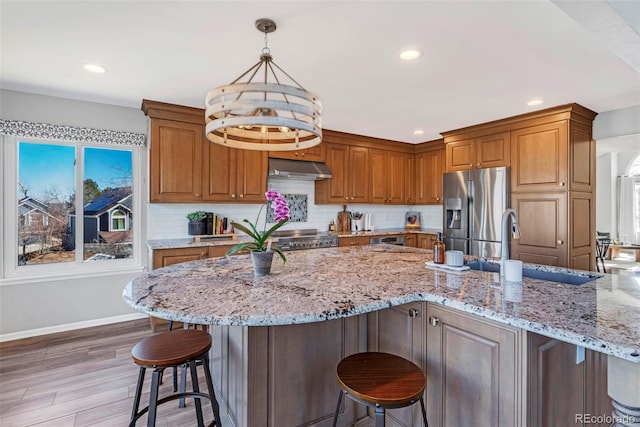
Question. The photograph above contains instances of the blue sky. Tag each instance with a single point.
(42, 167)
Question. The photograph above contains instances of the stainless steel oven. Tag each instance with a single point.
(292, 240)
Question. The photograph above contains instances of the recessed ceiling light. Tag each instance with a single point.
(418, 132)
(94, 68)
(534, 102)
(409, 55)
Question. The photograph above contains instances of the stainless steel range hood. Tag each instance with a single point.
(298, 169)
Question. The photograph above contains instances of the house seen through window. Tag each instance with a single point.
(53, 227)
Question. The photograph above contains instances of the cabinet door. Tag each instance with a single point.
(410, 178)
(395, 178)
(334, 190)
(401, 331)
(543, 227)
(426, 241)
(556, 384)
(434, 162)
(378, 176)
(166, 257)
(539, 158)
(411, 240)
(175, 162)
(461, 155)
(251, 175)
(422, 178)
(219, 175)
(358, 175)
(473, 371)
(493, 150)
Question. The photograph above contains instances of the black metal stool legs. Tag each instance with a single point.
(154, 402)
(335, 417)
(424, 412)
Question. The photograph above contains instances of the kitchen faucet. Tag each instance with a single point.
(505, 235)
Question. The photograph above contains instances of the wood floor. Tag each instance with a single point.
(82, 378)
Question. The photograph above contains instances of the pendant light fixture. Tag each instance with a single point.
(261, 112)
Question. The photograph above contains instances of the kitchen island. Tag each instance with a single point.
(280, 336)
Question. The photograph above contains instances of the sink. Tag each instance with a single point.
(570, 279)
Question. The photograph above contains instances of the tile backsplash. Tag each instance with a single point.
(168, 220)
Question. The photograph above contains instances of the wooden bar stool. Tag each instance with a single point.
(167, 350)
(380, 380)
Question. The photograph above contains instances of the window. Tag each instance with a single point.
(118, 221)
(75, 202)
(47, 182)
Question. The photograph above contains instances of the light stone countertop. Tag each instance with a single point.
(323, 284)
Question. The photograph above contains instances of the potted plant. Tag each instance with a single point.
(197, 223)
(259, 245)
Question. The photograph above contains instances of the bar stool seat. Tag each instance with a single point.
(380, 380)
(167, 350)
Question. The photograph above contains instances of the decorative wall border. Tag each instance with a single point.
(24, 129)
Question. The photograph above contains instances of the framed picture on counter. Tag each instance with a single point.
(412, 220)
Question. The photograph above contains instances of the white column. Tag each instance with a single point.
(624, 389)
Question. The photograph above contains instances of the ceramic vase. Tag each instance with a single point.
(262, 262)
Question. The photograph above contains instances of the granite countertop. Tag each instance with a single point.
(189, 242)
(322, 284)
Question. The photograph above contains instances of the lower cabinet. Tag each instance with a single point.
(474, 371)
(354, 241)
(167, 257)
(400, 330)
(426, 241)
(563, 388)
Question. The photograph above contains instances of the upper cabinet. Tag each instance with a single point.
(234, 175)
(386, 172)
(313, 154)
(484, 151)
(349, 167)
(186, 168)
(429, 164)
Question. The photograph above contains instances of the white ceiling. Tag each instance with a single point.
(483, 60)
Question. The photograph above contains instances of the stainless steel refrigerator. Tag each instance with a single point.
(474, 201)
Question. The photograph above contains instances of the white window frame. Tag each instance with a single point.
(9, 268)
(122, 215)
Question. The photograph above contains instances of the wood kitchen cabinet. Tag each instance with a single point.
(411, 240)
(186, 168)
(400, 330)
(543, 223)
(314, 154)
(386, 177)
(426, 241)
(353, 241)
(175, 169)
(349, 167)
(484, 151)
(234, 175)
(474, 370)
(410, 177)
(559, 385)
(430, 163)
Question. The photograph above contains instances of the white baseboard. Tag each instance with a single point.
(70, 326)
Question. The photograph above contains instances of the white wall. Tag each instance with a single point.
(617, 135)
(34, 307)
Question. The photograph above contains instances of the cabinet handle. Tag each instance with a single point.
(470, 165)
(233, 196)
(561, 184)
(478, 164)
(303, 154)
(351, 197)
(434, 321)
(559, 242)
(297, 154)
(353, 243)
(414, 312)
(241, 196)
(437, 199)
(197, 195)
(346, 197)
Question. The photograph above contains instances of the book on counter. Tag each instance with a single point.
(217, 224)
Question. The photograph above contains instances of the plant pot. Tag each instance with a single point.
(197, 228)
(262, 262)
